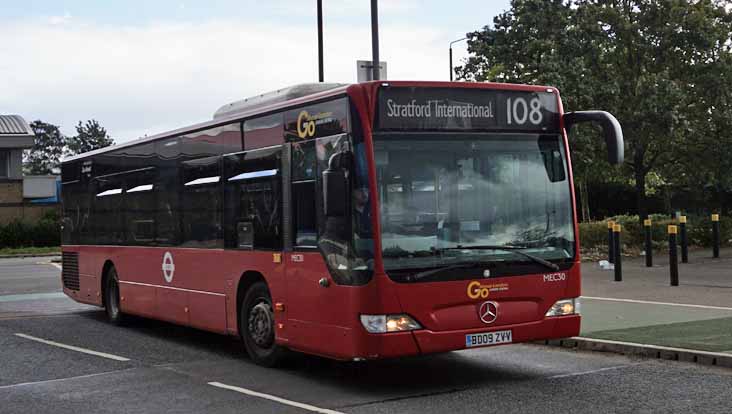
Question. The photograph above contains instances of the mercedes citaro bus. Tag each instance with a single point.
(355, 222)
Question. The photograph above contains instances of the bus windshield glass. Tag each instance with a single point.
(447, 198)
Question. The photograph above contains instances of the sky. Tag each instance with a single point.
(144, 67)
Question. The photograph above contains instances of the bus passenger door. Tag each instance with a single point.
(317, 308)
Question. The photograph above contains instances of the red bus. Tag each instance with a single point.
(354, 222)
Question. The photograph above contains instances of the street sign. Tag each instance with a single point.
(365, 73)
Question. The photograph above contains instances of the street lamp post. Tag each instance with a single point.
(452, 43)
(321, 74)
(375, 37)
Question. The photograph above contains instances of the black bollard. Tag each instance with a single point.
(610, 242)
(649, 242)
(618, 253)
(673, 256)
(682, 239)
(715, 235)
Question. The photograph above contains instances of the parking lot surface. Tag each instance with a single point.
(62, 357)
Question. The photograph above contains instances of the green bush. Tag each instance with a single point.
(593, 234)
(43, 233)
(699, 231)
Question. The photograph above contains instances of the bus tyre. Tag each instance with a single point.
(257, 327)
(111, 297)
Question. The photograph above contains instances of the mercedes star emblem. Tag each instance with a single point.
(488, 312)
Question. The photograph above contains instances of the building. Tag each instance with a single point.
(19, 193)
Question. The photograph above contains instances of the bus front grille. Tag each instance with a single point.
(70, 272)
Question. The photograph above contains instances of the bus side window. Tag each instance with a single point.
(108, 210)
(201, 206)
(140, 199)
(167, 216)
(263, 132)
(71, 202)
(304, 195)
(253, 200)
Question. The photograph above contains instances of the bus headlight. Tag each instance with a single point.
(389, 323)
(565, 307)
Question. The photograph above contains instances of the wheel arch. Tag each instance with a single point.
(247, 279)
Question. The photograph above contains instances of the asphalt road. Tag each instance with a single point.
(148, 366)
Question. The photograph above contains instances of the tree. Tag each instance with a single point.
(705, 157)
(89, 136)
(45, 156)
(538, 42)
(634, 58)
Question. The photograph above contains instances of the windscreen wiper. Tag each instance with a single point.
(514, 249)
(430, 272)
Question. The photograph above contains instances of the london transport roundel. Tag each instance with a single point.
(168, 267)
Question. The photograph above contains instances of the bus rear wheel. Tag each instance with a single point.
(112, 297)
(257, 327)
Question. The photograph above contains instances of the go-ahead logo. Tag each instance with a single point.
(477, 290)
(168, 267)
(306, 123)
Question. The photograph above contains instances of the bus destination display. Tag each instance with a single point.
(405, 108)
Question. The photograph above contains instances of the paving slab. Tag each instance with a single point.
(702, 281)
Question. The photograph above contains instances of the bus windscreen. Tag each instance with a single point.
(445, 197)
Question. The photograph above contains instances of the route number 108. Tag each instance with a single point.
(518, 111)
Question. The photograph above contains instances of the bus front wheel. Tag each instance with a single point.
(111, 297)
(257, 327)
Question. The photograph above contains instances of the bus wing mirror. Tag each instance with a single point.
(611, 130)
(335, 193)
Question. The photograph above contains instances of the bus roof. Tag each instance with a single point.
(259, 104)
(291, 96)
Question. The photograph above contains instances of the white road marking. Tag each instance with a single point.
(58, 266)
(648, 302)
(275, 398)
(31, 296)
(594, 371)
(25, 384)
(73, 348)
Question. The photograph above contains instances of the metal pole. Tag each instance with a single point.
(452, 43)
(618, 256)
(673, 256)
(684, 246)
(649, 242)
(715, 235)
(321, 74)
(450, 62)
(610, 242)
(375, 37)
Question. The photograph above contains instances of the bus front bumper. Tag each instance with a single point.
(550, 328)
(429, 342)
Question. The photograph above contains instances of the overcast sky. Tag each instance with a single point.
(142, 67)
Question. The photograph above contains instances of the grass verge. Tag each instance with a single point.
(18, 251)
(713, 335)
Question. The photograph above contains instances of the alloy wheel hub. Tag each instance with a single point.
(261, 325)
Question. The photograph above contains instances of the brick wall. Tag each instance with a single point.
(11, 191)
(29, 213)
